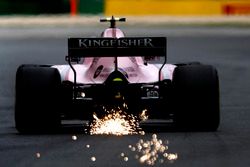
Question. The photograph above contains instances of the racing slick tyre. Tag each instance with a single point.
(36, 100)
(196, 98)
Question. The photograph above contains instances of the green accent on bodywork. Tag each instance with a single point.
(117, 79)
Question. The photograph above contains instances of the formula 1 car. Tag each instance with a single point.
(109, 70)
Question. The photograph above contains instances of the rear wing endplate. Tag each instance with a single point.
(117, 47)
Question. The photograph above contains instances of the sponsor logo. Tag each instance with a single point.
(138, 42)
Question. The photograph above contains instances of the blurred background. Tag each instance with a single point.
(27, 7)
(126, 7)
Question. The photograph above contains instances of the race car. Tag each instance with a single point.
(114, 69)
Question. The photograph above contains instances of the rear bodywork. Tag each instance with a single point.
(115, 72)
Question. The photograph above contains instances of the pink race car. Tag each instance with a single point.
(113, 70)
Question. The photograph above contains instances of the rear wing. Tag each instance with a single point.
(117, 47)
(147, 47)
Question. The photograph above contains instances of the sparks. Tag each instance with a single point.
(38, 155)
(93, 159)
(74, 137)
(143, 116)
(152, 151)
(117, 122)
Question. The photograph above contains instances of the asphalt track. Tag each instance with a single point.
(227, 48)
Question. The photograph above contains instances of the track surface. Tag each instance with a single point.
(225, 48)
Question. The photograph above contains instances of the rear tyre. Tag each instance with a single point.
(37, 99)
(196, 98)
